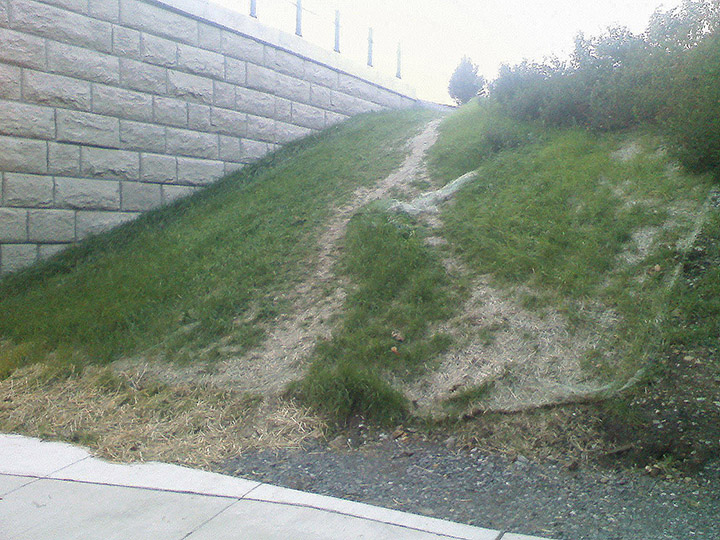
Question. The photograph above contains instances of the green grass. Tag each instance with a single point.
(694, 319)
(459, 402)
(551, 211)
(542, 216)
(399, 288)
(209, 266)
(556, 215)
(471, 135)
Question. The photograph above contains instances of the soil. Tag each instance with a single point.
(495, 335)
(644, 466)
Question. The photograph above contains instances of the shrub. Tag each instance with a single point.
(465, 83)
(693, 118)
(669, 75)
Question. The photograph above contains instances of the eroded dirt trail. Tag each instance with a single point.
(280, 359)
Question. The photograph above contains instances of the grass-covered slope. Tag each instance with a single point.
(212, 265)
(587, 222)
(401, 288)
(574, 263)
(589, 229)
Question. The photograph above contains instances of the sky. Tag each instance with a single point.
(436, 34)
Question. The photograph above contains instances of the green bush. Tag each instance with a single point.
(670, 75)
(693, 118)
(465, 83)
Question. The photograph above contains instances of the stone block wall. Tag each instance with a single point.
(109, 108)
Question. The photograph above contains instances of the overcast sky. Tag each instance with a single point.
(435, 34)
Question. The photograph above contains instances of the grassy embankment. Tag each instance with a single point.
(558, 212)
(555, 210)
(213, 265)
(585, 223)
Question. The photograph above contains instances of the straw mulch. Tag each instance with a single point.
(127, 417)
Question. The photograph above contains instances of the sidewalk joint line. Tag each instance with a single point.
(254, 488)
(145, 488)
(208, 520)
(236, 499)
(69, 465)
(32, 480)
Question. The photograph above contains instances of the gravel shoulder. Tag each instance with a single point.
(416, 474)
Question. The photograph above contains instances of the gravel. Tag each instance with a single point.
(431, 477)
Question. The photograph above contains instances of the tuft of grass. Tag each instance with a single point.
(459, 402)
(343, 389)
(400, 288)
(210, 266)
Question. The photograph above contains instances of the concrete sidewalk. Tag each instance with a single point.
(56, 491)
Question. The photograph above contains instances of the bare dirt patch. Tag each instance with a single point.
(532, 358)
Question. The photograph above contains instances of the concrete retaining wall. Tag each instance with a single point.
(109, 108)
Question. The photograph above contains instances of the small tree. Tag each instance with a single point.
(465, 83)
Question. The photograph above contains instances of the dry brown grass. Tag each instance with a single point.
(128, 417)
(533, 358)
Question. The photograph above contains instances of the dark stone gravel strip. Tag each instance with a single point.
(546, 499)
